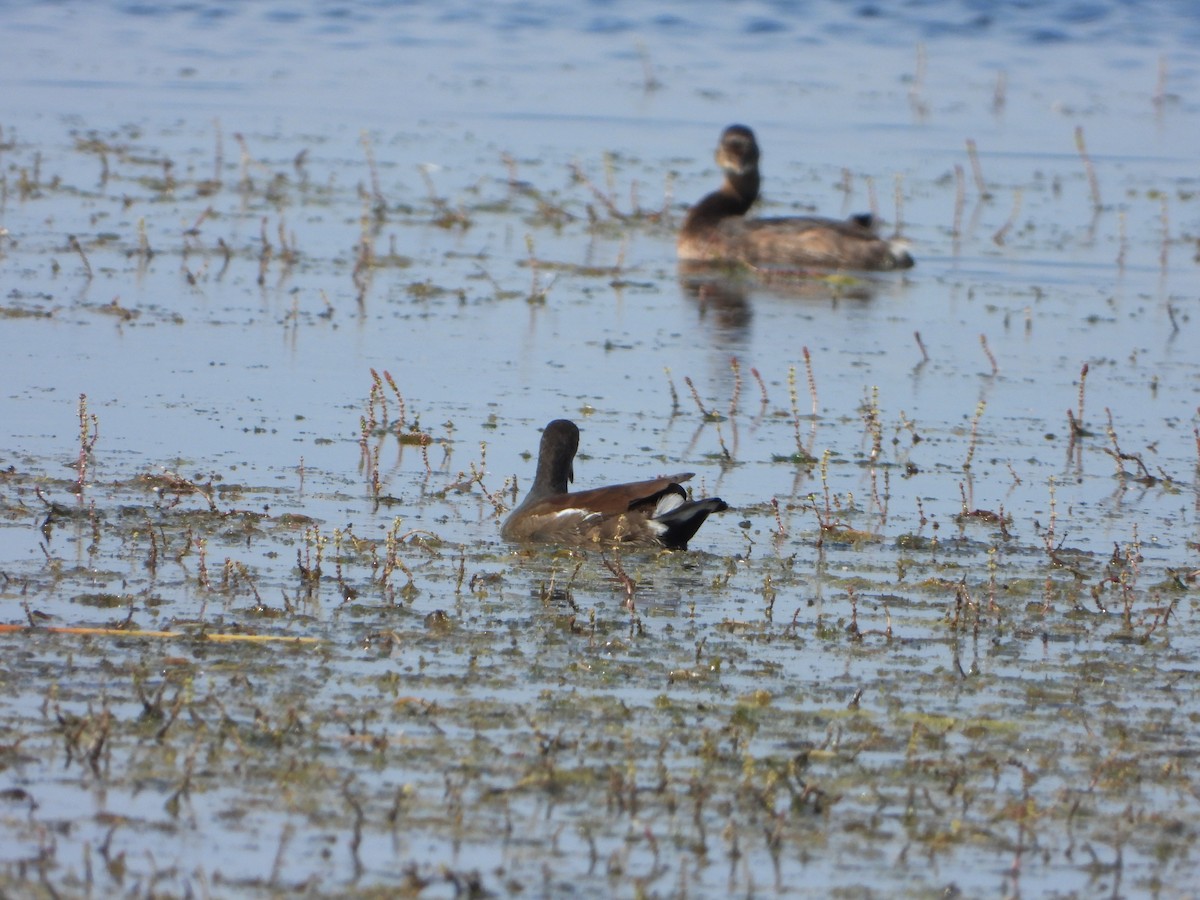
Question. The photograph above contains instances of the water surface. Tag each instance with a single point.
(904, 700)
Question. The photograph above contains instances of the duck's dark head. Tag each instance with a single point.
(737, 153)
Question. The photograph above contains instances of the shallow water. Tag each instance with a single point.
(904, 701)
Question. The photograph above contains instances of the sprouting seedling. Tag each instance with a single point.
(619, 264)
(605, 197)
(881, 503)
(288, 253)
(793, 395)
(907, 424)
(974, 434)
(960, 201)
(812, 380)
(265, 254)
(29, 182)
(365, 429)
(425, 440)
(226, 257)
(726, 456)
(151, 562)
(461, 574)
(1119, 456)
(1002, 232)
(922, 519)
(177, 484)
(627, 584)
(78, 248)
(762, 388)
(780, 528)
(1075, 419)
(768, 593)
(977, 170)
(391, 560)
(983, 342)
(144, 251)
(1129, 575)
(364, 257)
(870, 416)
(445, 216)
(825, 457)
(477, 473)
(245, 183)
(194, 230)
(1052, 522)
(308, 558)
(737, 386)
(1093, 182)
(376, 481)
(921, 347)
(537, 294)
(201, 545)
(377, 398)
(102, 152)
(379, 205)
(401, 413)
(89, 433)
(674, 393)
(707, 414)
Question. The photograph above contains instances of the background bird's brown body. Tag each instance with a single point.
(716, 229)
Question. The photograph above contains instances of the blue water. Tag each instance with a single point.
(219, 374)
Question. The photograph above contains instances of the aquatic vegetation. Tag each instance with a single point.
(267, 399)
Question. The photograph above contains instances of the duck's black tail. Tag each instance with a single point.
(684, 518)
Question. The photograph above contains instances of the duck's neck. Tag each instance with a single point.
(551, 478)
(554, 472)
(735, 198)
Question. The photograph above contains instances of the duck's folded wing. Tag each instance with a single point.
(614, 499)
(804, 241)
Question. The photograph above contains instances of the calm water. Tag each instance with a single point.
(856, 106)
(833, 91)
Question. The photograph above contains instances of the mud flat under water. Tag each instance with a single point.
(279, 336)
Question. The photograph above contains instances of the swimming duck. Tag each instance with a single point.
(654, 513)
(716, 229)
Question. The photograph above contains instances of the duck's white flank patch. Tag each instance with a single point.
(573, 513)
